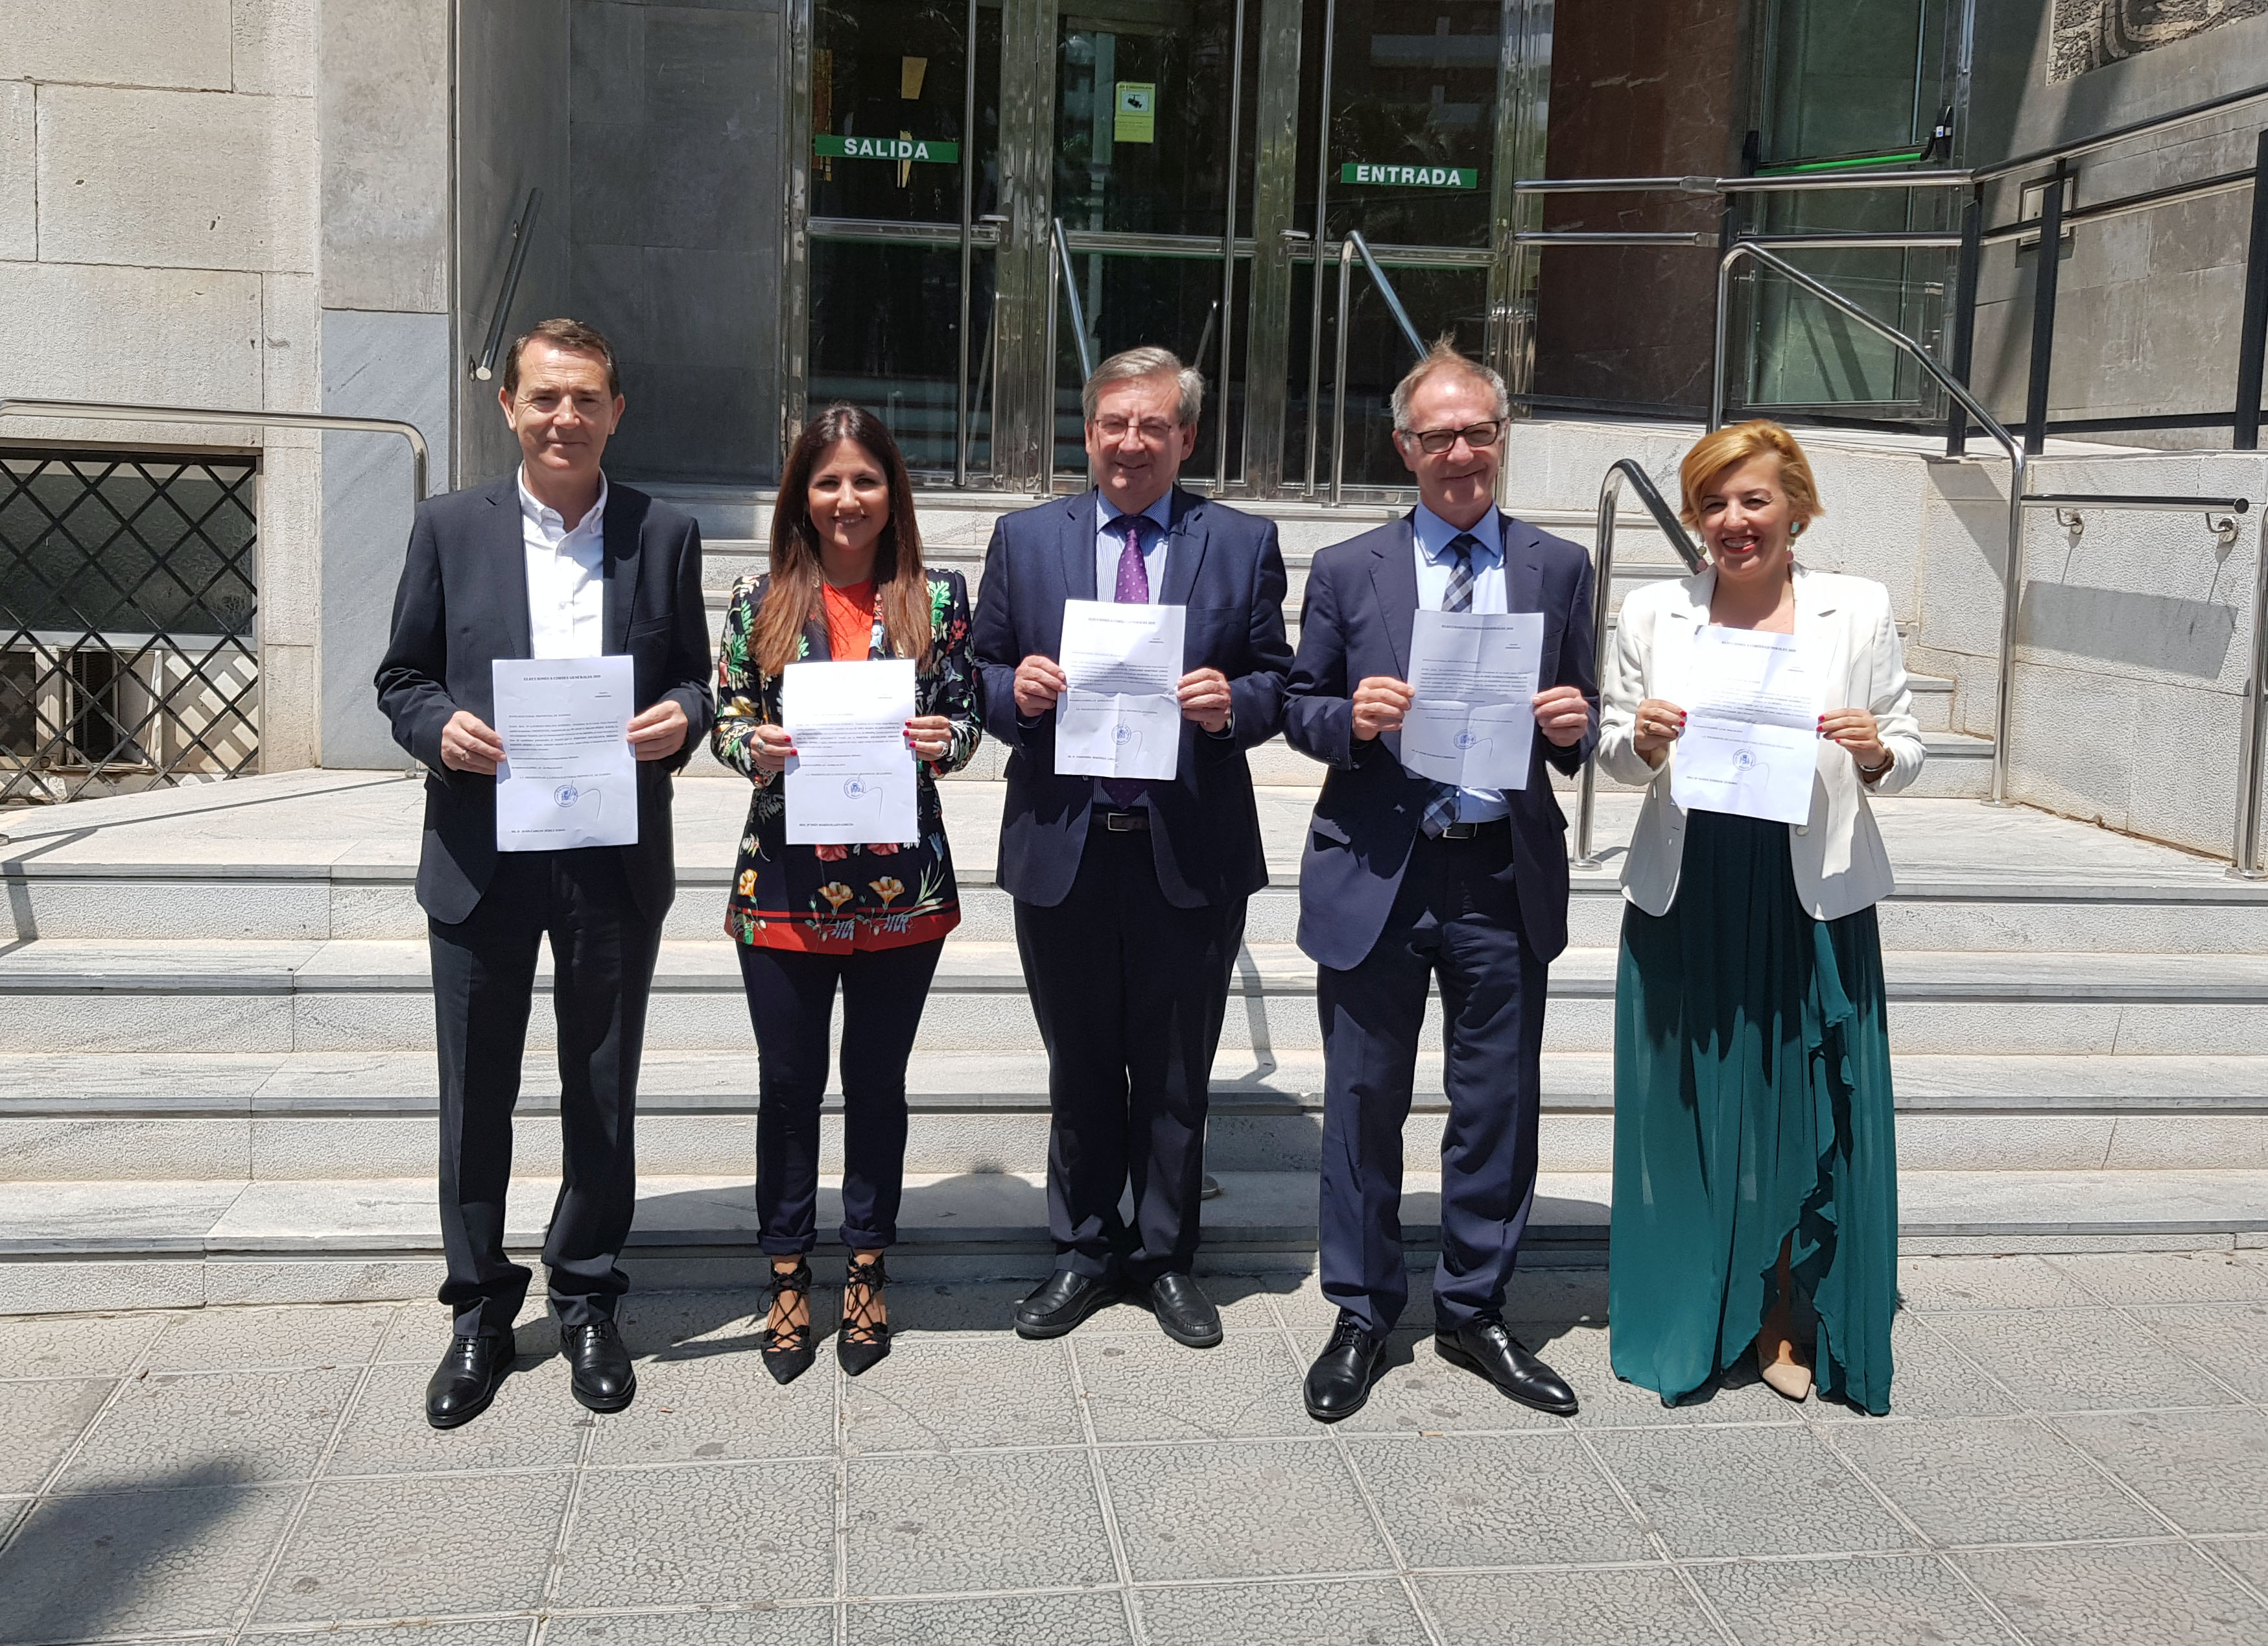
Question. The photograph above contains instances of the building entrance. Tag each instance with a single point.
(996, 193)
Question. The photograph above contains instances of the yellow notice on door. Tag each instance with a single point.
(1137, 113)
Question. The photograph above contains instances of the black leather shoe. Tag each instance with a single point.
(1185, 1312)
(863, 1340)
(787, 1349)
(1338, 1383)
(1486, 1347)
(1061, 1301)
(598, 1366)
(468, 1378)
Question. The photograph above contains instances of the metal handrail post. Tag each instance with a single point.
(1339, 368)
(1323, 220)
(2012, 575)
(2046, 274)
(1386, 290)
(1603, 579)
(962, 414)
(1077, 309)
(484, 367)
(1046, 483)
(86, 411)
(1228, 258)
(2245, 855)
(1964, 317)
(2253, 340)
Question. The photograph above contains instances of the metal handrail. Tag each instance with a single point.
(484, 367)
(89, 410)
(2245, 854)
(1625, 469)
(1078, 319)
(2011, 576)
(1349, 248)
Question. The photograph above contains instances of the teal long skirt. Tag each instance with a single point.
(1752, 1102)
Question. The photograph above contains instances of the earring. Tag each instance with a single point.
(1796, 530)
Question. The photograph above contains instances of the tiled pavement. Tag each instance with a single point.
(2079, 1453)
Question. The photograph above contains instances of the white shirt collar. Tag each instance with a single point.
(1434, 534)
(543, 514)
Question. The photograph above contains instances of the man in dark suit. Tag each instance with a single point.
(551, 562)
(1404, 879)
(1130, 895)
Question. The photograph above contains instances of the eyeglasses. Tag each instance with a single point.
(1154, 431)
(1477, 435)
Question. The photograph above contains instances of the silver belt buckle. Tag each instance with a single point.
(1460, 832)
(1123, 823)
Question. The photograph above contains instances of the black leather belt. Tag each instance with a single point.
(1474, 830)
(1123, 823)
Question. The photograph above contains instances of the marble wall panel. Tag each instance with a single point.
(273, 46)
(384, 116)
(380, 365)
(180, 43)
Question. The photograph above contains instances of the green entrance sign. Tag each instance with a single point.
(1410, 176)
(886, 149)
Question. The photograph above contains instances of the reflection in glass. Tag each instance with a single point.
(886, 334)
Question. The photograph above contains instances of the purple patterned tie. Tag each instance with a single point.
(1133, 590)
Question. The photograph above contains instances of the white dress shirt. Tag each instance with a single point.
(566, 590)
(1434, 562)
(1110, 541)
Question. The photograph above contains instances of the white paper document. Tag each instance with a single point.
(851, 780)
(1472, 721)
(1751, 739)
(1120, 716)
(568, 778)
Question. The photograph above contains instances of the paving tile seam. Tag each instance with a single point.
(1098, 1481)
(70, 1453)
(2175, 1352)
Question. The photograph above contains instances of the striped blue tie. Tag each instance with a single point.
(1441, 810)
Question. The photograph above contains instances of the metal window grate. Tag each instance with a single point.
(127, 601)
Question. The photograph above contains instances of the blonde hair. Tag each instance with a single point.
(1713, 454)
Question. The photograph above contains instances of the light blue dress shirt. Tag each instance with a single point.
(1434, 562)
(1109, 541)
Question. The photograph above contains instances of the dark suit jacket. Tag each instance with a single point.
(463, 603)
(1225, 566)
(1362, 596)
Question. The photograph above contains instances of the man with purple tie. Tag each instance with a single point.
(1130, 894)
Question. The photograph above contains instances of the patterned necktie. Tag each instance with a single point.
(1441, 810)
(1133, 589)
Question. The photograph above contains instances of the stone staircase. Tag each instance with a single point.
(216, 1029)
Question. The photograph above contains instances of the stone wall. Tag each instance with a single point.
(158, 244)
(2149, 306)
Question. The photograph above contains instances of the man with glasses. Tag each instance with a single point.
(1404, 881)
(1130, 894)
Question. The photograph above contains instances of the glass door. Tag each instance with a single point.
(1847, 85)
(1151, 205)
(900, 183)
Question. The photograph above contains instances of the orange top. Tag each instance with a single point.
(850, 619)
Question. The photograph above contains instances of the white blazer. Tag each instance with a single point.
(1840, 864)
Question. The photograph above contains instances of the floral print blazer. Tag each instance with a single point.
(831, 899)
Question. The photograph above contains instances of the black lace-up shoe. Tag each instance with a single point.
(1486, 1347)
(468, 1378)
(598, 1366)
(1338, 1383)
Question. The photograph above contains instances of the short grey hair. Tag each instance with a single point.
(1444, 356)
(1147, 362)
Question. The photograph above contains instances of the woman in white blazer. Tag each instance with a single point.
(1754, 1160)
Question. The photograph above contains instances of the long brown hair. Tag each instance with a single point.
(792, 598)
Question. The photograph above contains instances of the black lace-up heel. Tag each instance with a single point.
(865, 1338)
(787, 1349)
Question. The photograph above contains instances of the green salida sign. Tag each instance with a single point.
(836, 148)
(1410, 176)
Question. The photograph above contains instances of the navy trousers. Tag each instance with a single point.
(1455, 918)
(1130, 992)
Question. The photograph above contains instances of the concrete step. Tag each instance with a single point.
(114, 1245)
(345, 995)
(258, 1117)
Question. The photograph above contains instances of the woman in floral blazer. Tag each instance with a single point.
(846, 583)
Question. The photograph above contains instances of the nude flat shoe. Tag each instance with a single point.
(1791, 1378)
